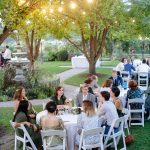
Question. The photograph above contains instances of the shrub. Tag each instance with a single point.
(62, 55)
(10, 92)
(36, 85)
(4, 98)
(51, 56)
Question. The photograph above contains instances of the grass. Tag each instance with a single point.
(53, 67)
(103, 74)
(112, 63)
(141, 135)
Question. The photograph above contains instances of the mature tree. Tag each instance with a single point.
(32, 31)
(91, 20)
(13, 12)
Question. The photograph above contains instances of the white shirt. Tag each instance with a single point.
(143, 68)
(108, 112)
(120, 67)
(84, 97)
(40, 115)
(7, 54)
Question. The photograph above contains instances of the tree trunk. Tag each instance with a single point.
(92, 67)
(5, 34)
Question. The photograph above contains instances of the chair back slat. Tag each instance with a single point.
(136, 100)
(93, 131)
(60, 133)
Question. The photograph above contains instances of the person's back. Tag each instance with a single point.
(108, 110)
(88, 120)
(143, 67)
(50, 121)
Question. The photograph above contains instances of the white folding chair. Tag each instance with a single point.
(139, 111)
(49, 133)
(25, 139)
(143, 81)
(125, 75)
(92, 132)
(115, 136)
(126, 113)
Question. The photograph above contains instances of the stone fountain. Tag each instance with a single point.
(19, 60)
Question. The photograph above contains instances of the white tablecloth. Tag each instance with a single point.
(70, 123)
(81, 62)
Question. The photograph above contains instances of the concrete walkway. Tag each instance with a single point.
(69, 73)
(70, 91)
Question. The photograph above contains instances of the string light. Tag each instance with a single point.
(60, 9)
(28, 22)
(44, 11)
(73, 5)
(51, 10)
(89, 1)
(21, 2)
(84, 13)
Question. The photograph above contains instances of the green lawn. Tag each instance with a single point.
(103, 74)
(54, 67)
(141, 135)
(112, 63)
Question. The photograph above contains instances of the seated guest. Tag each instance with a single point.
(88, 120)
(120, 66)
(20, 95)
(116, 80)
(84, 95)
(88, 82)
(94, 84)
(143, 67)
(106, 85)
(114, 93)
(21, 117)
(107, 111)
(134, 92)
(129, 67)
(59, 98)
(51, 121)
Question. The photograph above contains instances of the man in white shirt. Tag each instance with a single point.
(143, 67)
(7, 54)
(107, 111)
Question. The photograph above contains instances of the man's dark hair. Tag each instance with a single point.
(51, 107)
(116, 91)
(7, 46)
(144, 61)
(106, 95)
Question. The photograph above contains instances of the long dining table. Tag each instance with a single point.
(70, 123)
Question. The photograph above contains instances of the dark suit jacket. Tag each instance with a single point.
(90, 97)
(118, 81)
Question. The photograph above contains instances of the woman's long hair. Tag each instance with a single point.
(89, 108)
(18, 94)
(23, 107)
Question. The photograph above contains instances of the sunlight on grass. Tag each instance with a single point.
(54, 67)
